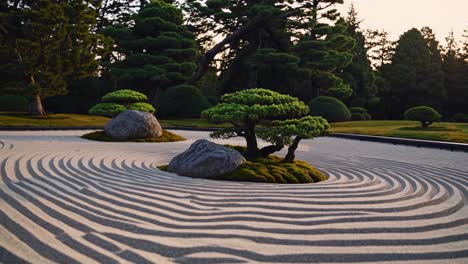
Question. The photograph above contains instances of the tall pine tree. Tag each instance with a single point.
(156, 53)
(414, 77)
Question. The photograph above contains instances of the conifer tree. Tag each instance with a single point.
(158, 52)
(415, 79)
(359, 74)
(456, 80)
(52, 43)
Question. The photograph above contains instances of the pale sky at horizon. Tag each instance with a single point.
(398, 16)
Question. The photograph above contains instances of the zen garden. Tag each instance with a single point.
(222, 131)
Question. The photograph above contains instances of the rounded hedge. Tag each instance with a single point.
(107, 109)
(143, 107)
(358, 117)
(424, 114)
(460, 117)
(182, 101)
(13, 103)
(329, 108)
(124, 97)
(359, 114)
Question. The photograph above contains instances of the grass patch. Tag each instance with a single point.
(451, 132)
(101, 136)
(52, 120)
(270, 170)
(194, 123)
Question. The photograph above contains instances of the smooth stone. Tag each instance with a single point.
(133, 124)
(205, 159)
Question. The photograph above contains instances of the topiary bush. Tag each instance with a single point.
(124, 97)
(329, 108)
(359, 114)
(119, 101)
(182, 101)
(13, 103)
(143, 107)
(424, 114)
(460, 118)
(107, 109)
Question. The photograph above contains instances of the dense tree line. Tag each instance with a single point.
(183, 55)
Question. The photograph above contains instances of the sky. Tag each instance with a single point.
(398, 16)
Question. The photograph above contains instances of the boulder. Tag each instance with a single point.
(205, 159)
(133, 124)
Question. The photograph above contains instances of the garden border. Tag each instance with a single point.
(452, 146)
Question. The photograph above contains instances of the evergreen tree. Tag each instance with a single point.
(414, 78)
(324, 51)
(380, 48)
(359, 74)
(157, 52)
(112, 12)
(456, 81)
(52, 43)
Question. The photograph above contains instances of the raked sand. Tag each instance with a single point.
(68, 200)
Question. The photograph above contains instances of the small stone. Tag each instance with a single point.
(205, 159)
(133, 124)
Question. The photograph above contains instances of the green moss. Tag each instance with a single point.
(271, 170)
(101, 136)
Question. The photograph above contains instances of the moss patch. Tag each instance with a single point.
(101, 136)
(271, 170)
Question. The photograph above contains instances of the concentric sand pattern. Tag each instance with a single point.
(68, 200)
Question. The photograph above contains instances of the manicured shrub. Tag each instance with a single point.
(329, 108)
(359, 114)
(13, 103)
(424, 114)
(358, 117)
(182, 101)
(460, 118)
(124, 97)
(143, 107)
(107, 109)
(119, 101)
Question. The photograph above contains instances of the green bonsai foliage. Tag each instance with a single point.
(143, 107)
(246, 109)
(124, 97)
(330, 108)
(119, 101)
(107, 109)
(359, 114)
(283, 131)
(424, 114)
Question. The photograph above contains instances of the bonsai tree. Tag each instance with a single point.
(329, 108)
(424, 114)
(283, 132)
(120, 101)
(246, 109)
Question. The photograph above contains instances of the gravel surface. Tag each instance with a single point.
(68, 200)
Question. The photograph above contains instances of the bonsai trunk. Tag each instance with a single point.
(292, 148)
(35, 107)
(251, 138)
(426, 123)
(266, 151)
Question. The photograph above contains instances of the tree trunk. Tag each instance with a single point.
(266, 151)
(292, 148)
(251, 138)
(35, 108)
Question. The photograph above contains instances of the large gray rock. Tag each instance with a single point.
(205, 159)
(133, 124)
